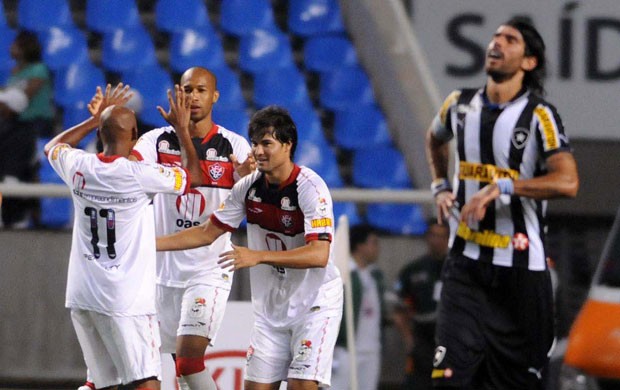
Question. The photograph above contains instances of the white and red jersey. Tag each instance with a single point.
(175, 213)
(282, 218)
(112, 263)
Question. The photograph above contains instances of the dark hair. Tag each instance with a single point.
(534, 47)
(359, 234)
(29, 44)
(277, 121)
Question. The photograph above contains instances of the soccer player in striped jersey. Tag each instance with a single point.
(495, 325)
(297, 292)
(111, 277)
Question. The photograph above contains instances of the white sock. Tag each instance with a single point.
(200, 381)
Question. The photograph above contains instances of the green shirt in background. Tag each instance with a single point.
(41, 104)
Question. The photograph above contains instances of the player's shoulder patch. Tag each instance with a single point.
(56, 150)
(451, 100)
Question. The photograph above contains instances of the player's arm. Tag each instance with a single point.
(438, 157)
(100, 101)
(194, 237)
(314, 254)
(178, 116)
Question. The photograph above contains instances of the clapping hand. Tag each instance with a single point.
(179, 114)
(119, 96)
(245, 168)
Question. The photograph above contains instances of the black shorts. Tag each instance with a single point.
(495, 326)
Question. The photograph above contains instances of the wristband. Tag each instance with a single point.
(440, 185)
(506, 186)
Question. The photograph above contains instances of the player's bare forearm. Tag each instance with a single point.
(561, 181)
(73, 135)
(438, 156)
(193, 237)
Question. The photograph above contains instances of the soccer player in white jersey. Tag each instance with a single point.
(296, 288)
(192, 290)
(111, 276)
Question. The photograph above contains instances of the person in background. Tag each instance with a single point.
(495, 324)
(18, 160)
(418, 286)
(368, 287)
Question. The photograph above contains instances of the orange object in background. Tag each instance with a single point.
(594, 340)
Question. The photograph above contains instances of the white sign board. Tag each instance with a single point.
(583, 52)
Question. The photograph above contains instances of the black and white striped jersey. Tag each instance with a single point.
(510, 140)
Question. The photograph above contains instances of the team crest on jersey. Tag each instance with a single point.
(285, 204)
(322, 207)
(287, 220)
(78, 181)
(216, 171)
(211, 155)
(304, 351)
(164, 147)
(520, 242)
(198, 308)
(520, 135)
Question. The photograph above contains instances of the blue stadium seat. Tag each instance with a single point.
(4, 75)
(264, 50)
(405, 219)
(242, 17)
(361, 128)
(172, 16)
(381, 167)
(153, 83)
(199, 46)
(285, 87)
(63, 46)
(309, 127)
(326, 53)
(350, 210)
(321, 159)
(110, 15)
(314, 17)
(229, 86)
(7, 35)
(37, 15)
(2, 16)
(127, 49)
(345, 88)
(234, 119)
(77, 84)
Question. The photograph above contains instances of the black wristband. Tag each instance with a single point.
(440, 185)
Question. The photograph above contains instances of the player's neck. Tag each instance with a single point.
(280, 174)
(116, 150)
(201, 129)
(505, 90)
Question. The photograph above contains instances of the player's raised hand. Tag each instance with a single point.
(179, 113)
(101, 100)
(245, 168)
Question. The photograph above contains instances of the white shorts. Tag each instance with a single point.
(302, 351)
(196, 310)
(118, 350)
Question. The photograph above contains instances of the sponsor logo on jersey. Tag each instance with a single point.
(520, 242)
(78, 181)
(178, 179)
(322, 222)
(322, 208)
(520, 135)
(164, 147)
(211, 155)
(285, 204)
(485, 172)
(303, 351)
(551, 139)
(486, 238)
(252, 196)
(216, 171)
(192, 204)
(250, 353)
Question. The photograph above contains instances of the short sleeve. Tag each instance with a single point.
(156, 178)
(440, 126)
(62, 158)
(230, 213)
(146, 148)
(550, 130)
(316, 204)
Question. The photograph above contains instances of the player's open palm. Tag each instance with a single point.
(118, 96)
(239, 257)
(245, 168)
(178, 116)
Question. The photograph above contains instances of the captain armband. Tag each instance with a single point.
(440, 185)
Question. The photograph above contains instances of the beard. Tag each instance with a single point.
(499, 76)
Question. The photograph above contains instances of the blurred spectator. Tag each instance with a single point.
(419, 287)
(367, 284)
(22, 125)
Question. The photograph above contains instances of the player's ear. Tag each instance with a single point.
(216, 96)
(529, 63)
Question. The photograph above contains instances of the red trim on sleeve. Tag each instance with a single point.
(221, 224)
(210, 134)
(107, 159)
(318, 236)
(136, 154)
